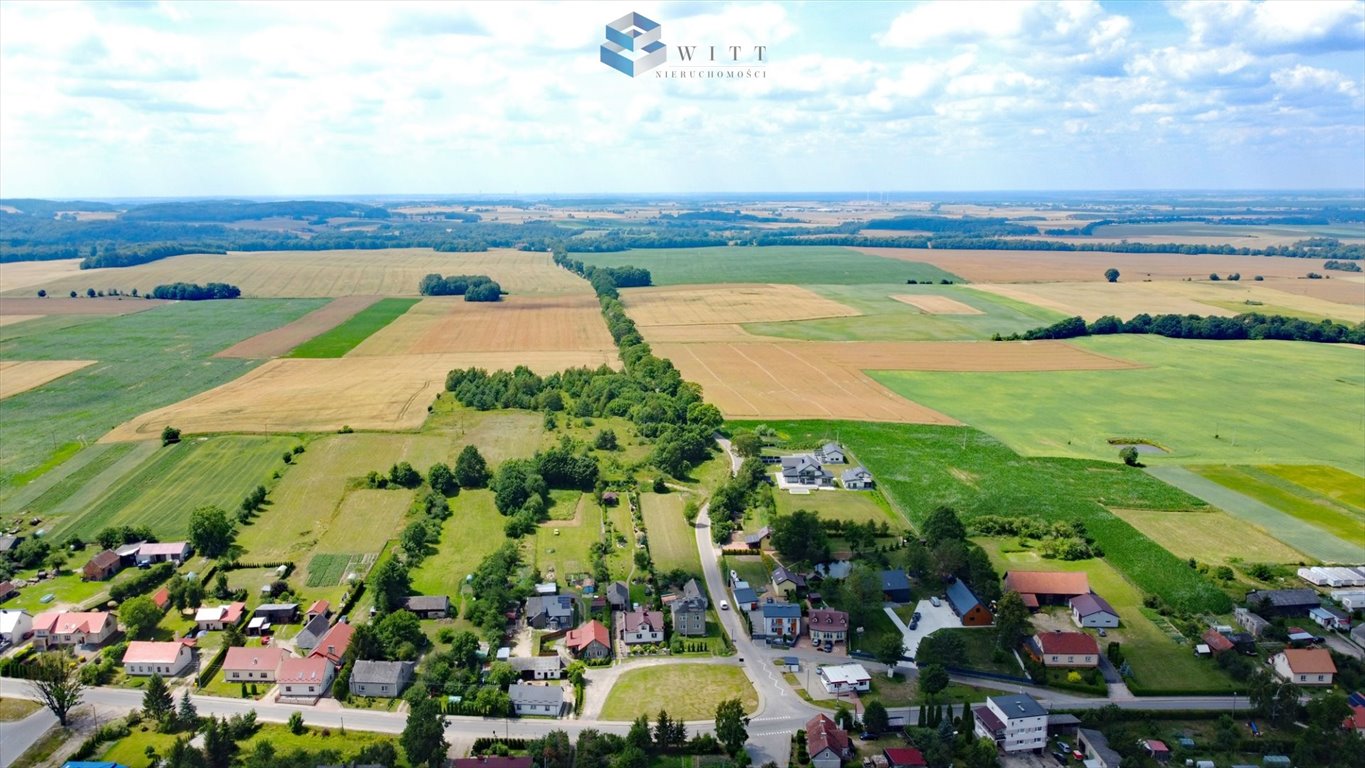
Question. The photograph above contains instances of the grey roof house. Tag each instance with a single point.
(857, 479)
(428, 606)
(896, 585)
(618, 595)
(552, 612)
(308, 637)
(805, 470)
(539, 667)
(689, 611)
(381, 679)
(831, 453)
(536, 699)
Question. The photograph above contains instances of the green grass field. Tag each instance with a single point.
(777, 264)
(343, 338)
(672, 542)
(146, 360)
(1341, 487)
(1203, 535)
(162, 491)
(132, 750)
(754, 569)
(473, 530)
(687, 691)
(886, 319)
(1336, 519)
(563, 547)
(920, 467)
(56, 488)
(849, 506)
(1234, 402)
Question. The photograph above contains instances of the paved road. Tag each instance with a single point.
(18, 736)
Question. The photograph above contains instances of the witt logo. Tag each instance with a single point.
(633, 46)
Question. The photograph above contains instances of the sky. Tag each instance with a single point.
(160, 99)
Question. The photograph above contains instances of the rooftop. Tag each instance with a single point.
(382, 672)
(1018, 705)
(1090, 604)
(302, 671)
(1047, 583)
(522, 693)
(1309, 661)
(145, 652)
(1067, 643)
(253, 658)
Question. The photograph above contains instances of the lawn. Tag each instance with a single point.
(920, 467)
(472, 532)
(776, 264)
(1194, 398)
(1318, 511)
(562, 547)
(68, 589)
(754, 570)
(17, 709)
(343, 338)
(884, 318)
(132, 750)
(980, 645)
(1159, 663)
(672, 542)
(146, 360)
(849, 506)
(687, 691)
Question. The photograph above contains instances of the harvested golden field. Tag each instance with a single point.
(659, 334)
(826, 379)
(1094, 300)
(390, 272)
(1273, 297)
(12, 319)
(1343, 289)
(22, 274)
(738, 303)
(324, 394)
(281, 340)
(449, 324)
(67, 306)
(22, 375)
(938, 305)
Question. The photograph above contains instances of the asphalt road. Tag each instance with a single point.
(18, 736)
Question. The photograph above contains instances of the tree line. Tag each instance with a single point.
(1251, 325)
(196, 292)
(471, 287)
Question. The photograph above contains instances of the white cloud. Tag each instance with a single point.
(1275, 25)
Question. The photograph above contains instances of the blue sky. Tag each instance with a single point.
(181, 99)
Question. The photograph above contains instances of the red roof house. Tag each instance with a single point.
(332, 646)
(904, 757)
(589, 640)
(1067, 649)
(826, 742)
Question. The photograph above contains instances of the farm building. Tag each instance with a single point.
(857, 479)
(332, 646)
(7, 590)
(1017, 723)
(381, 679)
(831, 453)
(1047, 587)
(1216, 641)
(966, 606)
(896, 586)
(1333, 576)
(318, 608)
(642, 626)
(828, 626)
(303, 681)
(55, 629)
(428, 606)
(1250, 621)
(536, 699)
(252, 665)
(1091, 610)
(102, 566)
(539, 667)
(15, 626)
(10, 543)
(1283, 602)
(1095, 747)
(1305, 666)
(218, 617)
(163, 552)
(589, 641)
(755, 539)
(1157, 750)
(1329, 617)
(1351, 599)
(167, 659)
(826, 743)
(277, 613)
(1068, 650)
(845, 678)
(308, 637)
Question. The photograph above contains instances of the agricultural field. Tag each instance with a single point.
(1092, 300)
(756, 264)
(146, 360)
(849, 506)
(688, 692)
(1339, 486)
(1334, 518)
(672, 542)
(736, 303)
(531, 325)
(273, 274)
(22, 375)
(1203, 535)
(22, 274)
(61, 305)
(1236, 402)
(920, 467)
(341, 339)
(280, 341)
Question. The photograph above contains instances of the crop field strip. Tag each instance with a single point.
(16, 319)
(1093, 300)
(734, 303)
(1332, 483)
(1318, 511)
(533, 325)
(280, 341)
(672, 542)
(22, 375)
(778, 264)
(937, 305)
(337, 341)
(16, 275)
(92, 462)
(1203, 535)
(62, 305)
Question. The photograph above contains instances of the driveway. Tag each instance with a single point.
(931, 620)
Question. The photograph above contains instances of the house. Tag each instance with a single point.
(1067, 650)
(828, 626)
(904, 757)
(831, 453)
(1250, 621)
(642, 626)
(492, 761)
(746, 599)
(167, 659)
(896, 586)
(968, 609)
(318, 608)
(1356, 720)
(1091, 610)
(805, 470)
(539, 667)
(163, 552)
(786, 583)
(381, 679)
(428, 606)
(1095, 746)
(826, 743)
(1283, 602)
(845, 678)
(1330, 617)
(1047, 587)
(7, 590)
(277, 613)
(530, 699)
(1156, 749)
(101, 567)
(303, 681)
(308, 637)
(590, 640)
(857, 479)
(162, 598)
(780, 619)
(1017, 723)
(16, 626)
(218, 617)
(332, 646)
(689, 611)
(1217, 642)
(252, 665)
(55, 629)
(755, 539)
(1305, 666)
(550, 612)
(618, 595)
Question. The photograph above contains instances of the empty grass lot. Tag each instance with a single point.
(776, 264)
(132, 749)
(473, 530)
(849, 506)
(1210, 536)
(343, 338)
(686, 691)
(672, 542)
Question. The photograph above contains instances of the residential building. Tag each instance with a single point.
(689, 611)
(313, 630)
(828, 626)
(1095, 746)
(16, 626)
(332, 646)
(64, 629)
(857, 479)
(590, 640)
(492, 761)
(1091, 610)
(746, 599)
(381, 679)
(787, 583)
(167, 659)
(826, 743)
(845, 678)
(1305, 666)
(539, 667)
(618, 595)
(163, 552)
(1016, 722)
(780, 619)
(968, 609)
(904, 757)
(1250, 621)
(428, 606)
(1047, 587)
(102, 566)
(642, 626)
(252, 665)
(1283, 602)
(7, 590)
(831, 453)
(277, 613)
(303, 681)
(1330, 617)
(550, 612)
(896, 586)
(528, 699)
(218, 617)
(1066, 650)
(805, 470)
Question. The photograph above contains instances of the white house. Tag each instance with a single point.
(16, 626)
(1305, 666)
(845, 678)
(1328, 617)
(252, 665)
(167, 659)
(831, 453)
(1091, 610)
(303, 681)
(857, 479)
(547, 700)
(1017, 723)
(214, 618)
(641, 626)
(1351, 599)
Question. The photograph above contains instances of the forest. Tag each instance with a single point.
(1251, 325)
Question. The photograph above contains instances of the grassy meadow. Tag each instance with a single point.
(473, 530)
(849, 506)
(777, 264)
(672, 542)
(344, 337)
(687, 691)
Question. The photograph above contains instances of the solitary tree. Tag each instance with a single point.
(170, 435)
(424, 735)
(875, 718)
(747, 444)
(1112, 275)
(156, 700)
(1129, 454)
(59, 687)
(1011, 620)
(211, 531)
(888, 651)
(186, 716)
(471, 471)
(730, 730)
(391, 585)
(138, 615)
(933, 678)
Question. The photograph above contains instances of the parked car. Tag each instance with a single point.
(934, 601)
(867, 736)
(1060, 757)
(1103, 633)
(916, 616)
(914, 624)
(829, 646)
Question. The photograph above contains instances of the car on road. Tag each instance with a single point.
(934, 601)
(724, 606)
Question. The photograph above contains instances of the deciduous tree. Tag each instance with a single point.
(730, 725)
(54, 676)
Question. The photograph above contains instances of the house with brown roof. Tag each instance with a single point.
(319, 608)
(332, 646)
(303, 681)
(1068, 650)
(642, 626)
(7, 590)
(904, 757)
(167, 659)
(1047, 587)
(1217, 642)
(252, 665)
(1305, 666)
(102, 566)
(589, 640)
(826, 743)
(827, 625)
(58, 629)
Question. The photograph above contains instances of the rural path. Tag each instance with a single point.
(729, 449)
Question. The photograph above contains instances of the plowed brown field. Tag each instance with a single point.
(22, 375)
(524, 323)
(281, 340)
